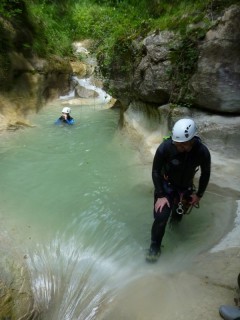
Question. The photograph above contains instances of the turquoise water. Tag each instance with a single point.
(77, 201)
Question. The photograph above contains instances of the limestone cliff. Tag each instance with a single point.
(216, 83)
(26, 80)
(201, 68)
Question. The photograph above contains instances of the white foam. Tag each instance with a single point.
(70, 95)
(232, 239)
(103, 97)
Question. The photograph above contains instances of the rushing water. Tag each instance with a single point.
(77, 201)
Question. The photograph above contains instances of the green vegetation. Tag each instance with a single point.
(112, 25)
(183, 64)
(58, 23)
(10, 9)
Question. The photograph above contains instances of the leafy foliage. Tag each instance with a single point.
(184, 61)
(59, 23)
(10, 8)
(110, 23)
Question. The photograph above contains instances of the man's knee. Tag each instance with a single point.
(161, 218)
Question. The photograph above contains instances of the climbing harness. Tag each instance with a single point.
(181, 201)
(181, 207)
(185, 209)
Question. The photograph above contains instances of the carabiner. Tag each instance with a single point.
(180, 209)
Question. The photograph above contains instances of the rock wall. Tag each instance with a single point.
(151, 82)
(27, 82)
(31, 84)
(216, 84)
(209, 78)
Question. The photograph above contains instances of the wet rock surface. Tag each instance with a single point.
(17, 301)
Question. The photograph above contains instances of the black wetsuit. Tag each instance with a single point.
(173, 173)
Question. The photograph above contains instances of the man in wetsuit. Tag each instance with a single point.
(175, 163)
(65, 117)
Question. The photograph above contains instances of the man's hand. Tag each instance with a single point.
(160, 203)
(195, 199)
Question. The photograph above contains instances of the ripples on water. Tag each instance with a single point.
(78, 202)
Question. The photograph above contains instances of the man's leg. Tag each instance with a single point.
(157, 233)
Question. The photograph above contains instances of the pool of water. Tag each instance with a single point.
(77, 202)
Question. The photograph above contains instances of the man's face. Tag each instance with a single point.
(64, 115)
(184, 146)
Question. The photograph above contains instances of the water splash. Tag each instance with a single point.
(76, 279)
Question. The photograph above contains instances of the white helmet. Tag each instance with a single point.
(66, 110)
(184, 130)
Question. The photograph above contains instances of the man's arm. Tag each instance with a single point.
(70, 121)
(205, 167)
(157, 176)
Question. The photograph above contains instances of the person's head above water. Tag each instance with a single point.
(66, 110)
(65, 117)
